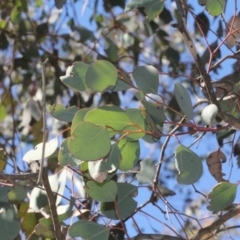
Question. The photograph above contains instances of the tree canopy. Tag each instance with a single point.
(119, 119)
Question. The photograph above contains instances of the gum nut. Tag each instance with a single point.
(209, 113)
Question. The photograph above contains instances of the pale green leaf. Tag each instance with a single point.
(101, 75)
(222, 196)
(215, 7)
(89, 142)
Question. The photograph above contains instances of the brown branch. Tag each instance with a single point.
(217, 224)
(52, 206)
(182, 23)
(144, 236)
(14, 177)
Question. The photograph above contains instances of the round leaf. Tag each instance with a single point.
(102, 192)
(61, 113)
(130, 154)
(109, 116)
(183, 100)
(101, 75)
(146, 78)
(75, 76)
(222, 196)
(88, 230)
(188, 164)
(215, 7)
(89, 142)
(79, 117)
(9, 222)
(125, 204)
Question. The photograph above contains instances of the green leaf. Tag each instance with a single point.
(79, 117)
(183, 100)
(61, 113)
(215, 7)
(146, 78)
(137, 130)
(89, 142)
(9, 222)
(123, 82)
(75, 76)
(111, 50)
(18, 193)
(188, 164)
(130, 154)
(109, 116)
(65, 157)
(88, 230)
(4, 194)
(147, 171)
(152, 7)
(125, 204)
(102, 192)
(155, 112)
(15, 15)
(222, 196)
(3, 112)
(101, 75)
(44, 231)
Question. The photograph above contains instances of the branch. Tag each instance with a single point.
(52, 206)
(217, 224)
(43, 172)
(182, 23)
(44, 118)
(13, 177)
(145, 236)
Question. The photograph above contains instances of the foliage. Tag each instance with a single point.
(124, 100)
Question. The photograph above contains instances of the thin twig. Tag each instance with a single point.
(45, 130)
(182, 23)
(155, 180)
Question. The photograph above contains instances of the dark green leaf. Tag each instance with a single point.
(146, 78)
(61, 113)
(9, 222)
(75, 76)
(125, 204)
(147, 171)
(102, 192)
(188, 164)
(183, 100)
(88, 230)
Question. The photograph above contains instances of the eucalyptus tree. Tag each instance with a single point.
(112, 125)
